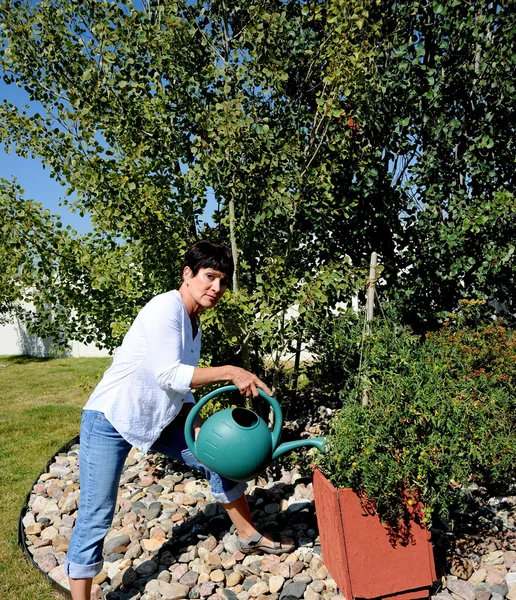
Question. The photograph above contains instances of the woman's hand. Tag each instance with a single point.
(247, 383)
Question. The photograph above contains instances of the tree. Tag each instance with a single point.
(324, 130)
(443, 93)
(145, 110)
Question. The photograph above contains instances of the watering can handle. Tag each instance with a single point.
(278, 414)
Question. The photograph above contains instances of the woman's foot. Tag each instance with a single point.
(268, 543)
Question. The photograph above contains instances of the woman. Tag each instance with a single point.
(135, 404)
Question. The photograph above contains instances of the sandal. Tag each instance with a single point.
(253, 544)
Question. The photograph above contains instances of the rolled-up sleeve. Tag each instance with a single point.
(164, 334)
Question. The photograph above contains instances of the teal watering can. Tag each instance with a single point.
(236, 442)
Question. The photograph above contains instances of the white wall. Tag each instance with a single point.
(15, 340)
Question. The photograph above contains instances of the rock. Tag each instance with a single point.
(482, 591)
(153, 544)
(297, 589)
(34, 529)
(146, 480)
(276, 583)
(217, 576)
(511, 594)
(495, 576)
(461, 567)
(230, 542)
(296, 567)
(100, 578)
(59, 471)
(39, 543)
(210, 543)
(168, 591)
(115, 542)
(226, 594)
(59, 574)
(70, 502)
(494, 558)
(509, 558)
(46, 562)
(258, 589)
(28, 519)
(211, 509)
(317, 585)
(442, 596)
(189, 579)
(269, 562)
(272, 508)
(39, 504)
(311, 594)
(134, 551)
(206, 589)
(461, 588)
(147, 568)
(186, 557)
(213, 560)
(478, 576)
(298, 505)
(154, 510)
(112, 569)
(125, 577)
(281, 569)
(228, 561)
(234, 578)
(500, 589)
(96, 592)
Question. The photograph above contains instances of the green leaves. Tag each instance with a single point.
(332, 128)
(440, 409)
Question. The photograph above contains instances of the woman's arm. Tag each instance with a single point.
(246, 382)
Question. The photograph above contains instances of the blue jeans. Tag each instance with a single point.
(101, 460)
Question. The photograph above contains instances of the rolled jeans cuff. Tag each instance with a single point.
(76, 571)
(230, 495)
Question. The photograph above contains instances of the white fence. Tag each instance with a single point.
(15, 340)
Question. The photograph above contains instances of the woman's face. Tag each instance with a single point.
(206, 287)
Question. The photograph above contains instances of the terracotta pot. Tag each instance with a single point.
(359, 551)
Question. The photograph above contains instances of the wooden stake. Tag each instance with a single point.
(371, 287)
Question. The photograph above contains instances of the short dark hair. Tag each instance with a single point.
(209, 255)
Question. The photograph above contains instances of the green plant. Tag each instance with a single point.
(441, 414)
(335, 342)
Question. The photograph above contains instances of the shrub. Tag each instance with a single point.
(335, 341)
(441, 414)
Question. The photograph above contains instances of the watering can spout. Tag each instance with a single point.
(318, 442)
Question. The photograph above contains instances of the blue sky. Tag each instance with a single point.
(35, 179)
(32, 176)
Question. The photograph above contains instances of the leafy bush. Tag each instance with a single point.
(441, 414)
(335, 341)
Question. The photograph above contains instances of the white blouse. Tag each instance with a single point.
(149, 380)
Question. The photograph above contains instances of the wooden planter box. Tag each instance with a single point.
(359, 554)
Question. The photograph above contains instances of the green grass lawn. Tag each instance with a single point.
(40, 406)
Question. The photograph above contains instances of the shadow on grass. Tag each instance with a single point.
(23, 359)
